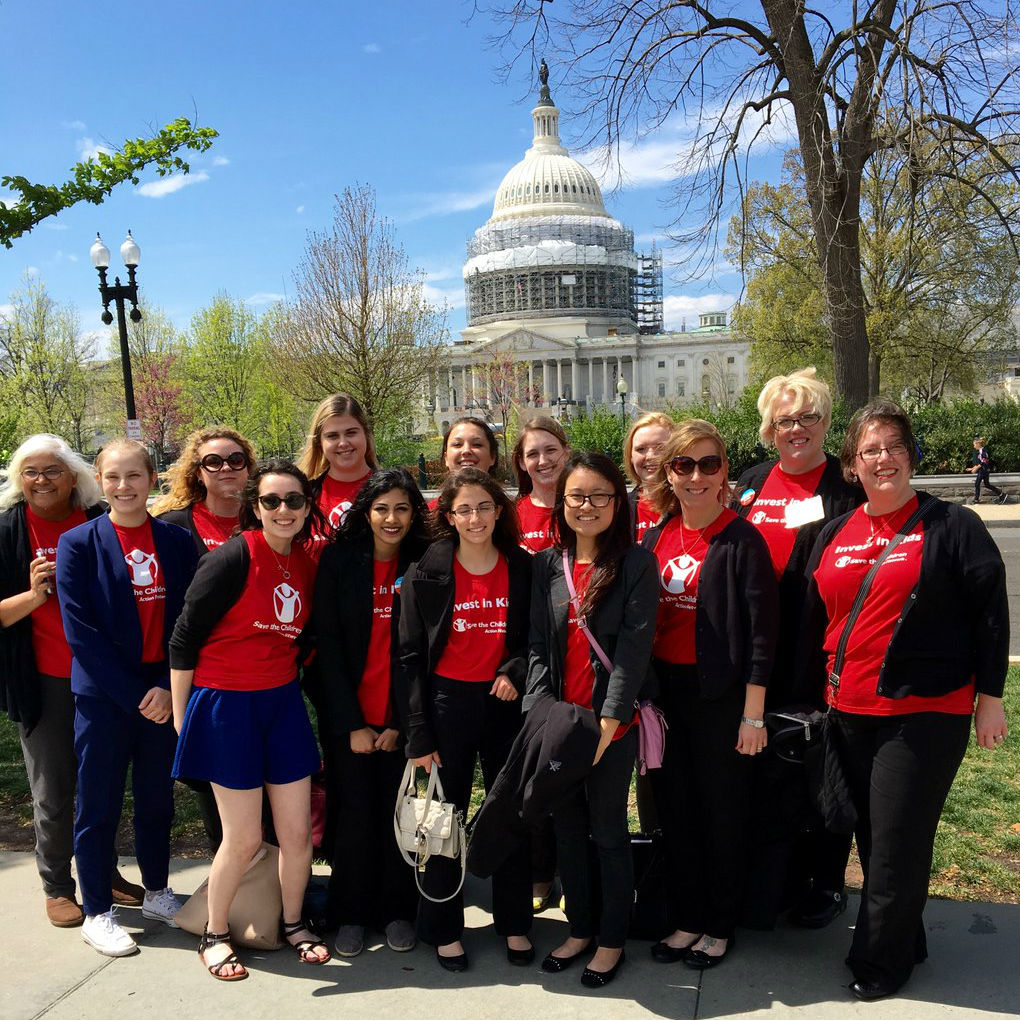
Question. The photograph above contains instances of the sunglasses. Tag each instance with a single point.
(214, 462)
(710, 465)
(292, 501)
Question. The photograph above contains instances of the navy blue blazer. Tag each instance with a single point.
(100, 616)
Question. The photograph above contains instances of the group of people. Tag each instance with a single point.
(179, 642)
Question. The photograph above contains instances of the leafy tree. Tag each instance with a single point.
(507, 391)
(94, 178)
(933, 80)
(599, 430)
(159, 400)
(360, 322)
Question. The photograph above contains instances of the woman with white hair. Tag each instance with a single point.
(49, 490)
(788, 500)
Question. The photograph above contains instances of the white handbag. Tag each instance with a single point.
(428, 826)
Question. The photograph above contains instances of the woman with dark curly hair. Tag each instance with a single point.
(237, 702)
(463, 648)
(357, 609)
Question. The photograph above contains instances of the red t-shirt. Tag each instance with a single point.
(335, 499)
(252, 648)
(147, 582)
(536, 525)
(647, 517)
(772, 504)
(477, 642)
(681, 552)
(374, 690)
(578, 672)
(52, 652)
(213, 529)
(839, 574)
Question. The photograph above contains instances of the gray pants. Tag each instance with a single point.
(52, 771)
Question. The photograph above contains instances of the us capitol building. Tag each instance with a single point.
(561, 307)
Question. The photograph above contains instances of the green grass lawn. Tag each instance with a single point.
(977, 850)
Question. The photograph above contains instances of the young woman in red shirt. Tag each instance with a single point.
(357, 609)
(617, 594)
(538, 458)
(238, 705)
(642, 455)
(469, 442)
(463, 655)
(714, 644)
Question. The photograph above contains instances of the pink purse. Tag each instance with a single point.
(652, 723)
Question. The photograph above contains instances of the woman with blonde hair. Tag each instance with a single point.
(713, 648)
(539, 455)
(642, 453)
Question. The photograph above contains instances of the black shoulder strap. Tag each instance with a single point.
(862, 594)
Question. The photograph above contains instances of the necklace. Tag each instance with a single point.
(284, 568)
(699, 532)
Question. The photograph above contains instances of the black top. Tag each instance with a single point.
(838, 497)
(185, 518)
(623, 623)
(426, 615)
(737, 612)
(20, 694)
(954, 624)
(342, 616)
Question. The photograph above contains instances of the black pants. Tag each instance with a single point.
(900, 769)
(469, 723)
(703, 797)
(599, 810)
(370, 884)
(983, 476)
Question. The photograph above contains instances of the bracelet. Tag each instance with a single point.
(758, 724)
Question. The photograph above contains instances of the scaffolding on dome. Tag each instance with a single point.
(580, 230)
(648, 311)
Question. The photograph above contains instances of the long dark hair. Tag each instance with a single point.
(356, 523)
(506, 535)
(490, 438)
(248, 521)
(613, 543)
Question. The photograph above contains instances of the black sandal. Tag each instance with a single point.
(209, 939)
(305, 946)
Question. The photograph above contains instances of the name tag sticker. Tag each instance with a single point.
(804, 511)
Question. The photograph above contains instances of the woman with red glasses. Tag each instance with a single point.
(714, 643)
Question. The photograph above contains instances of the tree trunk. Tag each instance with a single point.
(874, 373)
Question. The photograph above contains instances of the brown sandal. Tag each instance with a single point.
(304, 946)
(209, 940)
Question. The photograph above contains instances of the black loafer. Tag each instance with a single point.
(555, 964)
(521, 957)
(454, 964)
(700, 960)
(868, 990)
(600, 978)
(663, 952)
(819, 908)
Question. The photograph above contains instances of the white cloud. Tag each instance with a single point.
(31, 270)
(73, 125)
(372, 47)
(680, 307)
(168, 185)
(63, 256)
(7, 199)
(89, 148)
(445, 202)
(263, 298)
(6, 312)
(451, 297)
(220, 161)
(54, 225)
(299, 210)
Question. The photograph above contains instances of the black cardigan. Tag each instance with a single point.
(426, 614)
(342, 616)
(954, 625)
(737, 612)
(185, 518)
(20, 694)
(838, 497)
(623, 623)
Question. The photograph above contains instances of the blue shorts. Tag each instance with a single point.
(243, 739)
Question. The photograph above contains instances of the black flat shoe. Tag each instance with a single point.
(819, 908)
(454, 964)
(554, 964)
(700, 960)
(868, 990)
(600, 978)
(663, 952)
(521, 957)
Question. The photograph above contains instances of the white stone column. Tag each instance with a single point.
(590, 394)
(471, 369)
(449, 387)
(573, 377)
(605, 378)
(559, 378)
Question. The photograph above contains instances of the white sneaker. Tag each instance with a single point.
(161, 905)
(106, 936)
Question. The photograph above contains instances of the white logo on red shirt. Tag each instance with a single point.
(143, 566)
(678, 572)
(759, 517)
(460, 625)
(286, 602)
(338, 513)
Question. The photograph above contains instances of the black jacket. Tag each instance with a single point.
(342, 616)
(185, 518)
(954, 625)
(838, 497)
(20, 694)
(623, 623)
(426, 614)
(737, 610)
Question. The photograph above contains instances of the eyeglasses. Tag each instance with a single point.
(872, 453)
(599, 500)
(466, 512)
(292, 501)
(51, 474)
(214, 462)
(710, 465)
(805, 421)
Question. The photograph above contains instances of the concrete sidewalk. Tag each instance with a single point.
(47, 972)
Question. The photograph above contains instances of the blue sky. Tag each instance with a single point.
(308, 98)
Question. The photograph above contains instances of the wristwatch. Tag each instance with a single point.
(758, 724)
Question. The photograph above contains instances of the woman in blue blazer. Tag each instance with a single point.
(121, 580)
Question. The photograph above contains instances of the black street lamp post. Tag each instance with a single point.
(119, 293)
(621, 388)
